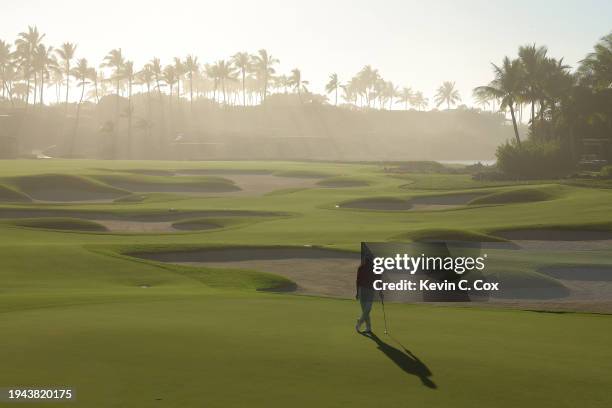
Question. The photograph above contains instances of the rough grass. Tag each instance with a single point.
(342, 182)
(59, 223)
(518, 195)
(8, 194)
(448, 235)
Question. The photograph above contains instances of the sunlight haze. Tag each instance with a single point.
(412, 43)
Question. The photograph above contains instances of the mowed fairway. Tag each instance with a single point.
(75, 310)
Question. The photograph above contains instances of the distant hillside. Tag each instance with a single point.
(279, 129)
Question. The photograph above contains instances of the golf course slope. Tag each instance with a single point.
(78, 308)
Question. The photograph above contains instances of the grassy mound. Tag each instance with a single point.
(519, 195)
(378, 203)
(8, 194)
(303, 174)
(143, 183)
(131, 198)
(224, 171)
(572, 232)
(64, 187)
(60, 223)
(342, 182)
(441, 234)
(207, 223)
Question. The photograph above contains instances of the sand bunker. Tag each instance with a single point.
(601, 273)
(150, 227)
(442, 202)
(328, 272)
(142, 223)
(549, 234)
(378, 203)
(314, 270)
(438, 202)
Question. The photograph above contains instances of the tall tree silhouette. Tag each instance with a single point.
(243, 62)
(332, 86)
(447, 93)
(66, 53)
(263, 65)
(507, 86)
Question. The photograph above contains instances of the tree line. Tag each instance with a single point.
(29, 68)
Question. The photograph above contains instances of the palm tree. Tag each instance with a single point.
(532, 59)
(128, 74)
(180, 70)
(405, 97)
(43, 62)
(114, 59)
(156, 69)
(389, 92)
(146, 77)
(191, 67)
(6, 70)
(170, 78)
(82, 73)
(66, 54)
(26, 44)
(243, 62)
(419, 101)
(366, 81)
(263, 64)
(332, 86)
(447, 93)
(296, 81)
(507, 86)
(596, 68)
(481, 97)
(224, 72)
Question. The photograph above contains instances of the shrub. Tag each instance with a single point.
(533, 160)
(606, 172)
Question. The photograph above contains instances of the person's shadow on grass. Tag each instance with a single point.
(404, 360)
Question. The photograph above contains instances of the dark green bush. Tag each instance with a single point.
(606, 172)
(533, 160)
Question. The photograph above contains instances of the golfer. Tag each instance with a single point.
(365, 292)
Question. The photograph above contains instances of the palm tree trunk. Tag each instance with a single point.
(243, 91)
(76, 123)
(516, 133)
(129, 138)
(42, 84)
(191, 91)
(67, 84)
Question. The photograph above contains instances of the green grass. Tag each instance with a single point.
(342, 182)
(8, 194)
(58, 223)
(139, 183)
(130, 332)
(303, 174)
(519, 195)
(448, 235)
(47, 185)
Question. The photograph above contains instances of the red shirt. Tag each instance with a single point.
(365, 276)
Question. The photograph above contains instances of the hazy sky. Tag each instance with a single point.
(413, 43)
